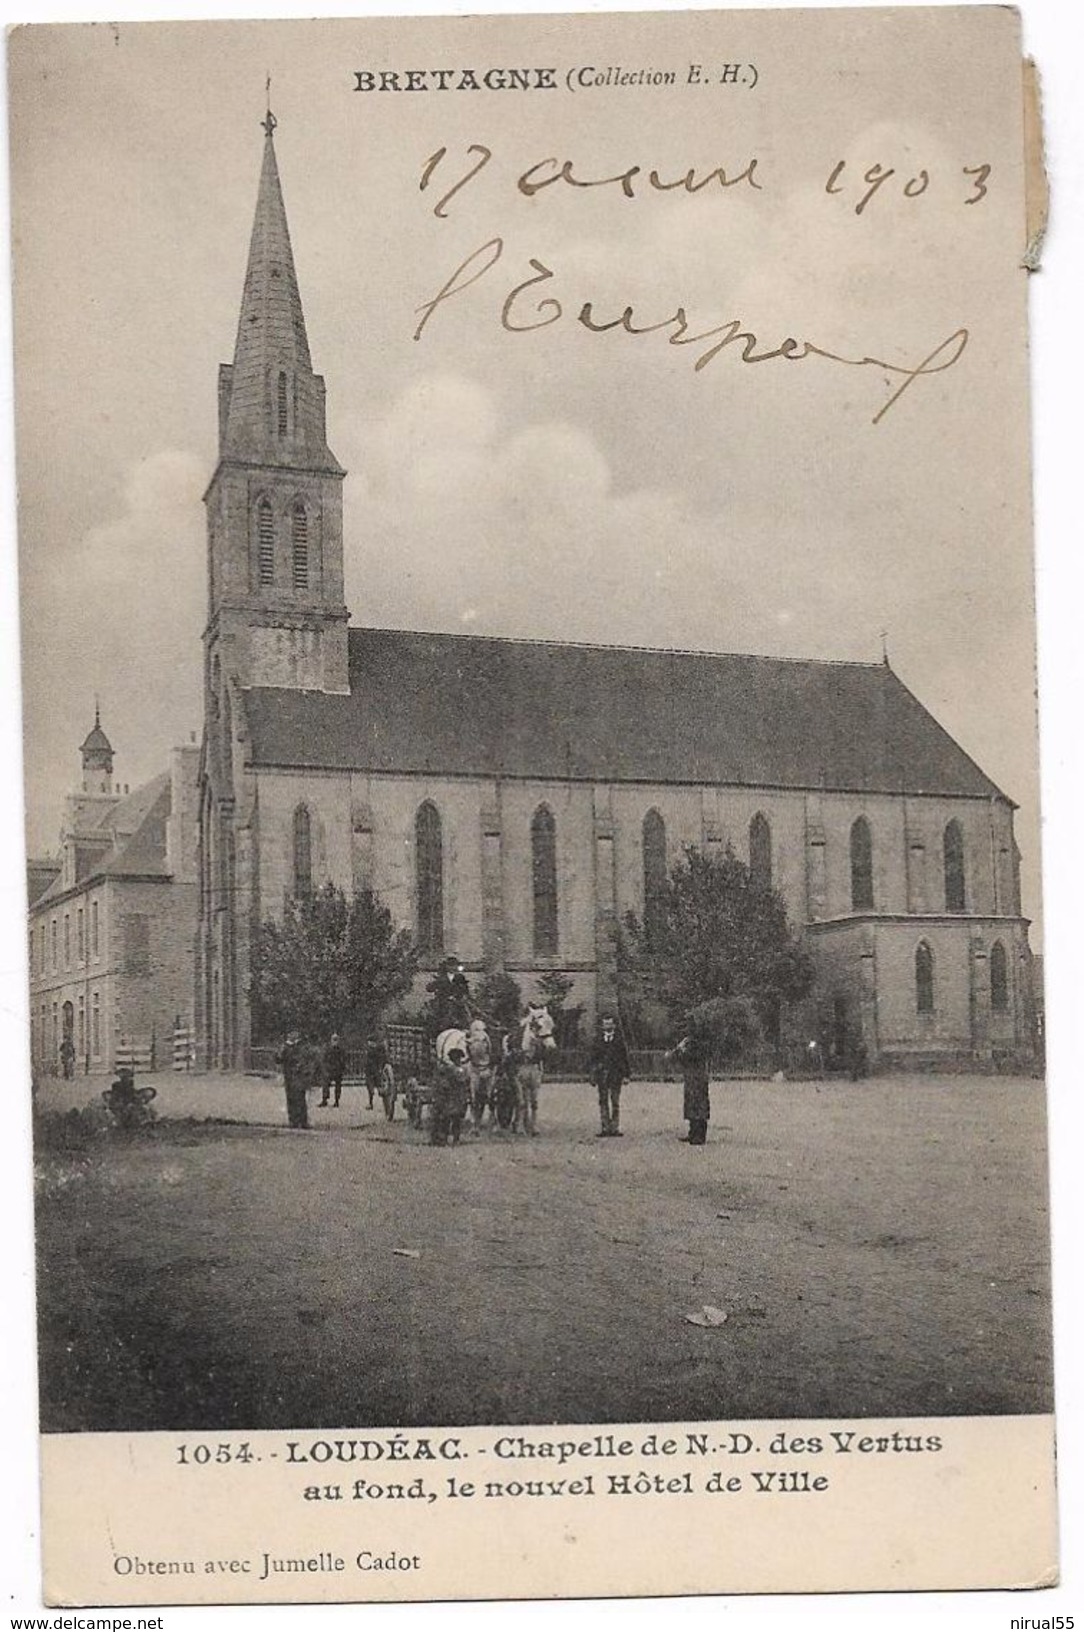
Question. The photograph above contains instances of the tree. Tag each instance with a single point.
(645, 1018)
(554, 988)
(331, 965)
(725, 947)
(500, 999)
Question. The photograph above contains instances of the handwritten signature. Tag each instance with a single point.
(519, 317)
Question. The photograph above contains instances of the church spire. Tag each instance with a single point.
(271, 403)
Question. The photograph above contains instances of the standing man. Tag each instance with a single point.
(610, 1070)
(293, 1062)
(334, 1066)
(376, 1058)
(694, 1056)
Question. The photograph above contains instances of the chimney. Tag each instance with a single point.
(182, 828)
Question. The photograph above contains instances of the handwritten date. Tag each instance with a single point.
(634, 181)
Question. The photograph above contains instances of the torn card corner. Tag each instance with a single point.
(1036, 183)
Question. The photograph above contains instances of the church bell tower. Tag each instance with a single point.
(276, 613)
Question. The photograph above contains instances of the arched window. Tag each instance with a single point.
(265, 538)
(282, 403)
(861, 867)
(923, 979)
(999, 979)
(544, 880)
(429, 879)
(654, 849)
(299, 533)
(302, 852)
(955, 884)
(760, 851)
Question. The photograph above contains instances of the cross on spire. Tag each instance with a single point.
(270, 121)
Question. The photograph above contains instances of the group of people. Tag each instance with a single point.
(470, 1078)
(306, 1066)
(498, 1078)
(609, 1070)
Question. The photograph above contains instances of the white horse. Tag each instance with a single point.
(482, 1071)
(524, 1050)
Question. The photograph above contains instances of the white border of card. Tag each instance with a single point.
(1050, 33)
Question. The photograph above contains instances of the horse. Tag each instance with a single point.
(481, 1070)
(524, 1051)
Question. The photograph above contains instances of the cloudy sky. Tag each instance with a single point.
(555, 482)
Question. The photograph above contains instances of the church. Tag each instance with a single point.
(511, 800)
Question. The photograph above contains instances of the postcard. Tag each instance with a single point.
(534, 934)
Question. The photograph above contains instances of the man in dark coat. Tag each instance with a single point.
(296, 1063)
(609, 1070)
(334, 1067)
(693, 1053)
(450, 991)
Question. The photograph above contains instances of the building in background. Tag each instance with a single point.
(511, 800)
(113, 920)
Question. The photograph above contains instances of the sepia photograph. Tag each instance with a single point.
(532, 806)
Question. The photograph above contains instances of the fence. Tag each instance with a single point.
(184, 1049)
(138, 1056)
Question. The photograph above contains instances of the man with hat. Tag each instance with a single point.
(294, 1075)
(450, 992)
(609, 1069)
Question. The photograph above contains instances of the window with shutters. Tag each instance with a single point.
(300, 538)
(265, 540)
(136, 931)
(302, 852)
(282, 404)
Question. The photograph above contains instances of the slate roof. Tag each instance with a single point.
(125, 817)
(96, 742)
(41, 873)
(471, 705)
(137, 825)
(272, 342)
(143, 854)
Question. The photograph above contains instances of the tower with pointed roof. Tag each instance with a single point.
(274, 505)
(97, 755)
(515, 800)
(276, 614)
